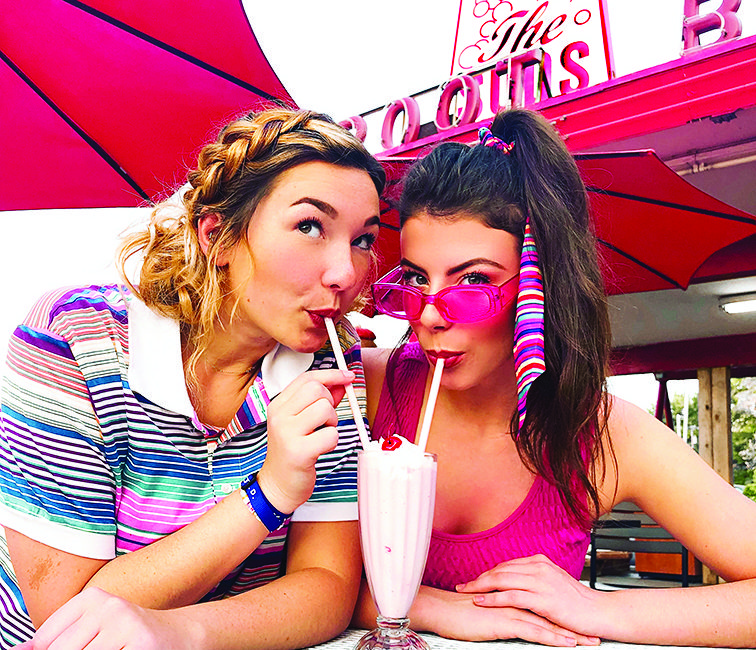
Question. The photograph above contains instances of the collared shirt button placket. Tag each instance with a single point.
(211, 440)
(212, 445)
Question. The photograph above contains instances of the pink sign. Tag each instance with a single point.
(570, 35)
(519, 53)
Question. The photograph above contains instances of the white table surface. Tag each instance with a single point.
(348, 640)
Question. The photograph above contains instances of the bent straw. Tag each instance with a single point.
(341, 363)
(432, 395)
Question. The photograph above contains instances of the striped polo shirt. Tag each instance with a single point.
(101, 452)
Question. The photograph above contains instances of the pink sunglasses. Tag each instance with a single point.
(466, 303)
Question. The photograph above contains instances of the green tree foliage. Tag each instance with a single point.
(750, 491)
(743, 396)
(743, 416)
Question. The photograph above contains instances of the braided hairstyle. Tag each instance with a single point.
(567, 406)
(232, 176)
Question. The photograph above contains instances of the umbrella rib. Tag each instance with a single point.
(635, 260)
(388, 225)
(669, 204)
(170, 49)
(79, 131)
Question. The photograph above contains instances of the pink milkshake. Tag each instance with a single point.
(396, 494)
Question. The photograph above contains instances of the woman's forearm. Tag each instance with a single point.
(717, 615)
(311, 603)
(301, 609)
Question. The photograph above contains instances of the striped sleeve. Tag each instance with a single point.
(56, 485)
(335, 495)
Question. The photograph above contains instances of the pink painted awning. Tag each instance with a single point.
(106, 103)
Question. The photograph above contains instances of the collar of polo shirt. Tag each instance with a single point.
(156, 368)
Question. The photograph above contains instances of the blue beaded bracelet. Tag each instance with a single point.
(258, 503)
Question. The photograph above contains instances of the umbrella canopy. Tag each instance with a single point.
(105, 103)
(653, 227)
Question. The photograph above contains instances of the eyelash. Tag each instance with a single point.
(311, 221)
(369, 238)
(411, 278)
(478, 275)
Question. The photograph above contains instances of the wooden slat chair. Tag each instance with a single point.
(628, 528)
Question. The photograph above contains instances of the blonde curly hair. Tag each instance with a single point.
(232, 176)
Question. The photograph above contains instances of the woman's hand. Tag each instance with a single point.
(537, 584)
(95, 618)
(455, 616)
(301, 426)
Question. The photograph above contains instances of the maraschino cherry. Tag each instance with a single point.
(391, 443)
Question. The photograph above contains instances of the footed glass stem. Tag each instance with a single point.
(392, 634)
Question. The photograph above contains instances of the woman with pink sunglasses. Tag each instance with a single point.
(499, 277)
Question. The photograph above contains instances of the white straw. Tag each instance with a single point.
(432, 395)
(341, 362)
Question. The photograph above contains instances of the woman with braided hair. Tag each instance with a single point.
(499, 277)
(175, 470)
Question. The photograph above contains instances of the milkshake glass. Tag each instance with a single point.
(396, 494)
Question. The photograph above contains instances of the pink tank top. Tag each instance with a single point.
(541, 524)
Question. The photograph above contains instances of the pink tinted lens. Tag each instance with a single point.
(465, 304)
(413, 304)
(398, 301)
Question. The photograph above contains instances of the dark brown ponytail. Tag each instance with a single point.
(562, 435)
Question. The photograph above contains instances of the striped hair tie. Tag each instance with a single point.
(530, 361)
(488, 139)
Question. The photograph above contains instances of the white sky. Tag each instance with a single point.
(389, 49)
(341, 57)
(355, 55)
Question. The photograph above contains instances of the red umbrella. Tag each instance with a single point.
(106, 102)
(654, 228)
